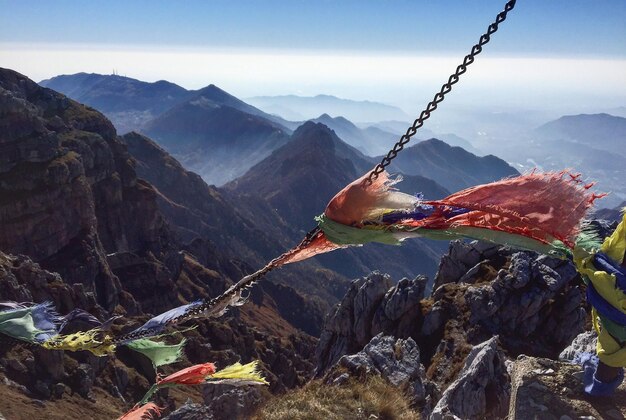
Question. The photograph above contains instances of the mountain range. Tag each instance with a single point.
(298, 180)
(116, 225)
(210, 131)
(300, 108)
(452, 167)
(593, 144)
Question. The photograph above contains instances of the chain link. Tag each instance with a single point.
(440, 96)
(209, 306)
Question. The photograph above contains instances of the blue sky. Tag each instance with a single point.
(538, 27)
(549, 52)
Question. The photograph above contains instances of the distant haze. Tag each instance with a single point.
(564, 55)
(407, 81)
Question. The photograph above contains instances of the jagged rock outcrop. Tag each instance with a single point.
(534, 304)
(396, 360)
(348, 327)
(49, 374)
(191, 411)
(221, 402)
(371, 306)
(227, 402)
(531, 303)
(464, 261)
(583, 343)
(23, 280)
(552, 390)
(481, 389)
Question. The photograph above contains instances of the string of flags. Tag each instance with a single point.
(205, 373)
(40, 324)
(537, 211)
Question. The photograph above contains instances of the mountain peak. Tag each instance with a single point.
(312, 127)
(453, 167)
(213, 89)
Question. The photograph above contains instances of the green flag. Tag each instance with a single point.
(33, 324)
(157, 351)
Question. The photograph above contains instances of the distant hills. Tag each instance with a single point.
(299, 108)
(600, 131)
(452, 167)
(128, 103)
(613, 215)
(372, 140)
(594, 144)
(216, 135)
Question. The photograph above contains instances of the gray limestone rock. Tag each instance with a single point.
(463, 261)
(481, 389)
(339, 335)
(396, 360)
(552, 390)
(584, 342)
(534, 303)
(226, 402)
(371, 306)
(191, 411)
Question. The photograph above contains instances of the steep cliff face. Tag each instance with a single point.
(70, 194)
(228, 233)
(47, 201)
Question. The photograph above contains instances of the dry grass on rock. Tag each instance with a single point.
(370, 399)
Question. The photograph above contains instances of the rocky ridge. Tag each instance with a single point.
(485, 344)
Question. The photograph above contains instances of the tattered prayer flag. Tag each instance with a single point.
(204, 373)
(606, 292)
(33, 324)
(144, 412)
(6, 305)
(95, 341)
(192, 375)
(157, 351)
(158, 324)
(538, 211)
(541, 212)
(78, 315)
(238, 375)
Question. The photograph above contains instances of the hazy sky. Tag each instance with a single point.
(548, 53)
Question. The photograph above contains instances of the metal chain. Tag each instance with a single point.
(209, 306)
(440, 96)
(248, 281)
